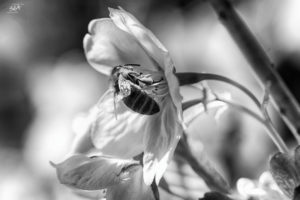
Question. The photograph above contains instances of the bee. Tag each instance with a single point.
(136, 88)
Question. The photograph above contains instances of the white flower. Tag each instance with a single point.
(263, 189)
(116, 129)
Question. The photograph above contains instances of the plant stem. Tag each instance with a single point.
(188, 78)
(273, 134)
(203, 168)
(283, 100)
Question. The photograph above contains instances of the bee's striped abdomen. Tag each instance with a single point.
(140, 102)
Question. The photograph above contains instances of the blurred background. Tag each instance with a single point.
(46, 85)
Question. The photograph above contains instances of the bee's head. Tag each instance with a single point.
(116, 70)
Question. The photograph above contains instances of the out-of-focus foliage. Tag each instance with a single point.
(45, 84)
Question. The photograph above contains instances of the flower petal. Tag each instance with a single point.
(159, 141)
(162, 135)
(174, 92)
(283, 173)
(135, 188)
(97, 173)
(118, 131)
(83, 142)
(90, 194)
(153, 47)
(107, 46)
(117, 128)
(297, 159)
(144, 36)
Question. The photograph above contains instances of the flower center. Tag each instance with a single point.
(140, 89)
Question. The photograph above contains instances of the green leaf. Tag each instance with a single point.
(284, 173)
(82, 172)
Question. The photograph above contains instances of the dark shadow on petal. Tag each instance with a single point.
(215, 196)
(139, 158)
(155, 190)
(297, 193)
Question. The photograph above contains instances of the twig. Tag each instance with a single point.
(273, 134)
(203, 168)
(283, 100)
(265, 120)
(187, 78)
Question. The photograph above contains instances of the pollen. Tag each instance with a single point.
(125, 87)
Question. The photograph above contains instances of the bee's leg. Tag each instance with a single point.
(146, 80)
(103, 97)
(115, 107)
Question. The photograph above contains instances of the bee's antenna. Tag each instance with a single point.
(136, 65)
(115, 107)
